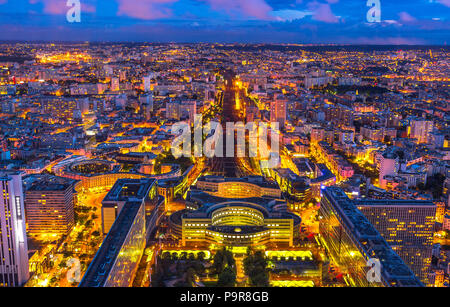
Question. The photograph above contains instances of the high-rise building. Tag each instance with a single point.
(421, 129)
(14, 268)
(133, 207)
(115, 84)
(355, 245)
(173, 110)
(115, 263)
(278, 108)
(49, 205)
(408, 227)
(123, 191)
(147, 83)
(389, 166)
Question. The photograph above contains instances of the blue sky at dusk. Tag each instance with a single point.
(268, 21)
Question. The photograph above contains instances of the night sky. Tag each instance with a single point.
(227, 21)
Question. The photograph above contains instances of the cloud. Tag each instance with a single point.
(322, 12)
(145, 9)
(57, 7)
(290, 15)
(250, 8)
(406, 17)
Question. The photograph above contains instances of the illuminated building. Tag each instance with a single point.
(49, 205)
(115, 84)
(420, 130)
(124, 191)
(171, 188)
(388, 167)
(14, 268)
(100, 174)
(437, 278)
(446, 222)
(296, 188)
(235, 221)
(322, 177)
(351, 240)
(251, 186)
(132, 207)
(278, 109)
(147, 83)
(173, 110)
(317, 78)
(317, 134)
(116, 262)
(338, 165)
(408, 227)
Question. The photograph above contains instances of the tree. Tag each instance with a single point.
(201, 256)
(183, 256)
(190, 277)
(222, 259)
(255, 267)
(227, 278)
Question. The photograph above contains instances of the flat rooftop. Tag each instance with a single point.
(128, 189)
(47, 183)
(99, 269)
(394, 269)
(394, 203)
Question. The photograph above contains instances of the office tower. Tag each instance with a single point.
(408, 227)
(420, 129)
(122, 75)
(346, 136)
(14, 268)
(136, 207)
(388, 167)
(146, 105)
(147, 99)
(123, 191)
(352, 241)
(49, 205)
(278, 110)
(146, 81)
(188, 109)
(317, 134)
(116, 262)
(115, 84)
(173, 110)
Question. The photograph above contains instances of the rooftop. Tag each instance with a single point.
(126, 189)
(98, 271)
(394, 269)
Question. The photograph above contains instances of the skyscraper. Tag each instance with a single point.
(389, 165)
(353, 242)
(420, 129)
(173, 110)
(115, 84)
(408, 227)
(14, 269)
(147, 81)
(278, 111)
(49, 204)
